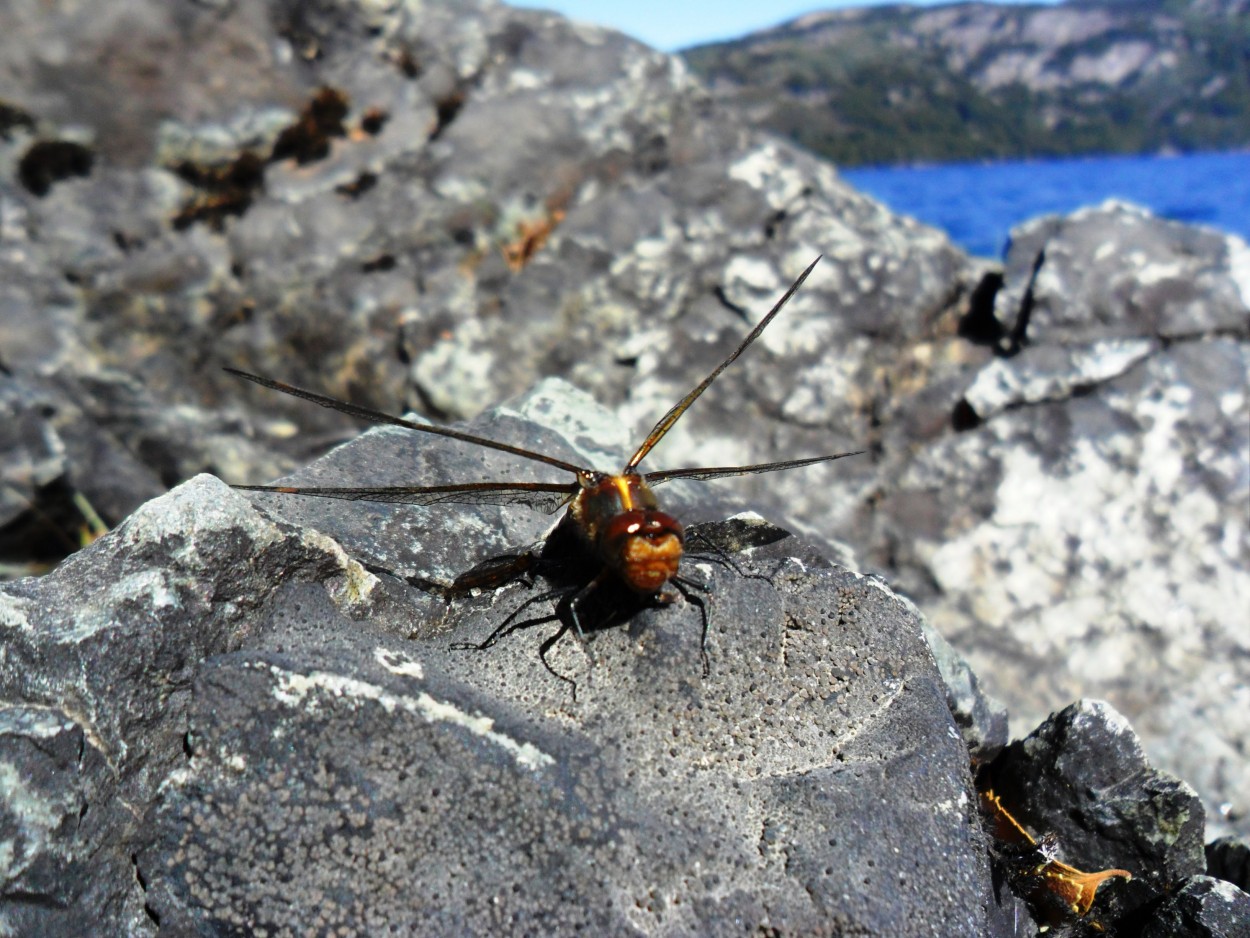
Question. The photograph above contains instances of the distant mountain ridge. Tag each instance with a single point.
(898, 84)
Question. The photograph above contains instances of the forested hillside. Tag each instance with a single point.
(974, 80)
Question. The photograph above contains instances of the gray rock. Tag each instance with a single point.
(63, 826)
(1115, 272)
(1202, 908)
(1083, 531)
(354, 241)
(1229, 859)
(281, 740)
(96, 668)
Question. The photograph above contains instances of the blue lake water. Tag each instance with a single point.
(979, 203)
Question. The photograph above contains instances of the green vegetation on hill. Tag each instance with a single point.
(974, 81)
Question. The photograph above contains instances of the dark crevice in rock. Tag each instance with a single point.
(1237, 335)
(49, 530)
(406, 61)
(12, 118)
(32, 899)
(374, 120)
(381, 262)
(774, 224)
(446, 109)
(308, 139)
(651, 156)
(153, 916)
(358, 186)
(51, 161)
(979, 325)
(463, 235)
(127, 242)
(426, 405)
(729, 304)
(1012, 343)
(225, 190)
(963, 417)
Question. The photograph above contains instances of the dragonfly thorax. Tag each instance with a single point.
(619, 517)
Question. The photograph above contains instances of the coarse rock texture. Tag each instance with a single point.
(228, 726)
(96, 670)
(434, 206)
(1202, 908)
(1086, 529)
(221, 722)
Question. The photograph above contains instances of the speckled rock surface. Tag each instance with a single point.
(1083, 530)
(271, 739)
(322, 192)
(1203, 908)
(97, 665)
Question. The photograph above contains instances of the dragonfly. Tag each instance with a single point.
(613, 526)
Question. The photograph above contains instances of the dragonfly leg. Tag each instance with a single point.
(688, 589)
(510, 625)
(580, 597)
(545, 647)
(719, 556)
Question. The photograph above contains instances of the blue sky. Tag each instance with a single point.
(673, 24)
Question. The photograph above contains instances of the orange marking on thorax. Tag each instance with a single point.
(622, 487)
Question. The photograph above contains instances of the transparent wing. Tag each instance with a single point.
(377, 416)
(667, 421)
(543, 496)
(724, 472)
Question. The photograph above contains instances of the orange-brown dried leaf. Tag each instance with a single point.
(1075, 888)
(1005, 827)
(531, 236)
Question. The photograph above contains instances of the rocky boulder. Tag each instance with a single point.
(227, 723)
(435, 206)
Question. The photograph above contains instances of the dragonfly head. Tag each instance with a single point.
(644, 546)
